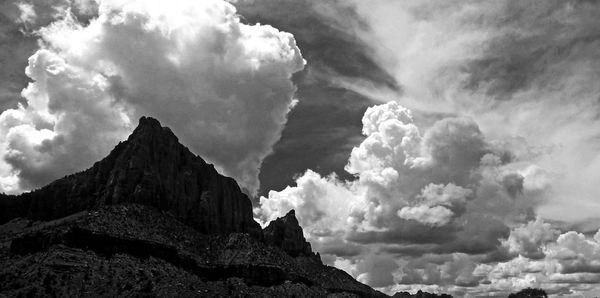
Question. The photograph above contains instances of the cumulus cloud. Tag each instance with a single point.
(528, 239)
(69, 121)
(470, 232)
(321, 203)
(434, 204)
(563, 264)
(576, 253)
(224, 88)
(519, 69)
(435, 216)
(445, 191)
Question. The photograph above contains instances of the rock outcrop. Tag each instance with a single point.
(150, 168)
(286, 233)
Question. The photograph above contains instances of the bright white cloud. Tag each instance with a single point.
(435, 216)
(432, 206)
(222, 86)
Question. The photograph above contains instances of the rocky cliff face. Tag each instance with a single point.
(154, 220)
(150, 168)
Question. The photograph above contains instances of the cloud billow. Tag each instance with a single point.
(223, 86)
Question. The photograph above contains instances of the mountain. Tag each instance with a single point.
(151, 168)
(153, 219)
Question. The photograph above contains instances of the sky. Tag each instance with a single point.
(447, 146)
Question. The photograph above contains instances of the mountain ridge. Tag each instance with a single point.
(154, 220)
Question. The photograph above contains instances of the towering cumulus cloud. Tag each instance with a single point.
(521, 69)
(441, 209)
(223, 86)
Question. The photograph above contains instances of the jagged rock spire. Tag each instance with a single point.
(285, 232)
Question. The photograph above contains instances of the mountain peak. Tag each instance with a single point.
(285, 232)
(151, 168)
(149, 123)
(147, 120)
(150, 128)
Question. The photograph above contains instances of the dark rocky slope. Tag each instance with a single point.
(154, 220)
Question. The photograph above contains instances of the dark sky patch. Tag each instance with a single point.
(15, 48)
(326, 124)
